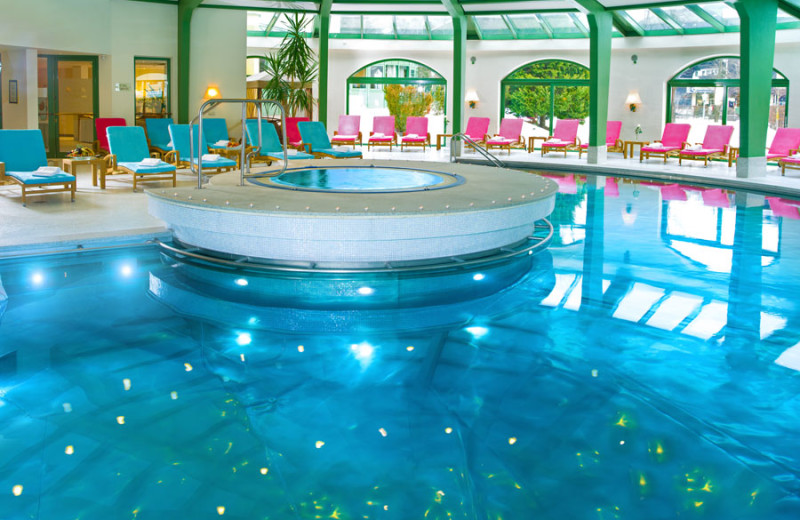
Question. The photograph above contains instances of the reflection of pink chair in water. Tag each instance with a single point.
(781, 208)
(612, 188)
(566, 183)
(716, 198)
(673, 192)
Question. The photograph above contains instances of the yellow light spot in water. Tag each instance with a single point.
(386, 508)
(126, 384)
(410, 348)
(173, 395)
(224, 413)
(319, 444)
(707, 487)
(623, 421)
(220, 510)
(69, 450)
(383, 432)
(230, 445)
(698, 504)
(448, 430)
(642, 481)
(659, 449)
(369, 502)
(335, 514)
(67, 407)
(301, 348)
(264, 471)
(17, 490)
(241, 356)
(512, 440)
(516, 485)
(136, 512)
(121, 419)
(188, 367)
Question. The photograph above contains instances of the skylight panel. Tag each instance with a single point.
(784, 17)
(725, 14)
(648, 20)
(527, 25)
(346, 24)
(441, 27)
(492, 26)
(561, 23)
(685, 18)
(258, 21)
(411, 26)
(379, 25)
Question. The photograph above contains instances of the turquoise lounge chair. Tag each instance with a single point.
(215, 129)
(181, 148)
(128, 147)
(271, 149)
(158, 134)
(21, 155)
(316, 141)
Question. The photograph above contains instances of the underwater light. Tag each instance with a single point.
(365, 291)
(241, 282)
(126, 270)
(244, 339)
(478, 277)
(477, 332)
(37, 278)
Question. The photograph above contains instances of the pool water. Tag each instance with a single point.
(360, 179)
(644, 366)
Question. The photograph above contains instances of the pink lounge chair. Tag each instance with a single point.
(509, 136)
(565, 137)
(477, 128)
(613, 142)
(792, 162)
(671, 142)
(100, 124)
(348, 131)
(416, 133)
(383, 132)
(292, 132)
(785, 143)
(715, 145)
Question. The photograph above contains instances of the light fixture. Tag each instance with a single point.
(212, 92)
(473, 59)
(633, 100)
(472, 98)
(634, 58)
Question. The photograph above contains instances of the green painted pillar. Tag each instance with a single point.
(459, 67)
(185, 10)
(599, 76)
(324, 30)
(757, 48)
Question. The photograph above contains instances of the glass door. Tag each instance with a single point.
(152, 88)
(573, 103)
(67, 102)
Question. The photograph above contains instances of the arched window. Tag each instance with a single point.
(545, 91)
(707, 93)
(400, 88)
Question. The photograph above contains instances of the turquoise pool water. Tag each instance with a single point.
(360, 179)
(645, 366)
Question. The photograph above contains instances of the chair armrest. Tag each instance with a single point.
(335, 133)
(359, 137)
(111, 162)
(155, 155)
(618, 143)
(2, 171)
(307, 147)
(53, 161)
(176, 157)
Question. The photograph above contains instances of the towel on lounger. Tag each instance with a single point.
(150, 162)
(47, 171)
(655, 145)
(211, 157)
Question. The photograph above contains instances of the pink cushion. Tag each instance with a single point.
(477, 128)
(101, 123)
(717, 137)
(511, 128)
(292, 132)
(417, 125)
(701, 152)
(414, 139)
(349, 125)
(556, 145)
(385, 139)
(785, 140)
(675, 134)
(660, 150)
(566, 129)
(613, 129)
(791, 160)
(383, 125)
(340, 137)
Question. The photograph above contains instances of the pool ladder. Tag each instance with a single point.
(478, 148)
(244, 159)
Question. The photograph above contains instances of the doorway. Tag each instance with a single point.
(68, 103)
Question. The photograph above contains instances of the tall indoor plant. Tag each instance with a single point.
(292, 69)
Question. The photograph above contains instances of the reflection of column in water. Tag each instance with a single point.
(593, 248)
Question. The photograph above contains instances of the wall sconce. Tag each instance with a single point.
(634, 58)
(213, 92)
(473, 59)
(633, 101)
(472, 98)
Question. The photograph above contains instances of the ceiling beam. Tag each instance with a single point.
(453, 8)
(791, 7)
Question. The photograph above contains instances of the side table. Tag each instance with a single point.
(628, 147)
(439, 138)
(70, 165)
(733, 154)
(532, 141)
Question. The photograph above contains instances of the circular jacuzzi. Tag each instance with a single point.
(355, 214)
(361, 180)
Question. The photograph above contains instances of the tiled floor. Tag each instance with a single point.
(117, 211)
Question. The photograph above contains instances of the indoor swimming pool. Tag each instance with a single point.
(643, 366)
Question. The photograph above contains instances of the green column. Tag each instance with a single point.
(459, 66)
(324, 30)
(599, 76)
(757, 47)
(185, 10)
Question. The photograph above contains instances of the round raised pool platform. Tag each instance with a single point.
(454, 211)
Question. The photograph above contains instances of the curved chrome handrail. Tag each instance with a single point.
(480, 149)
(243, 161)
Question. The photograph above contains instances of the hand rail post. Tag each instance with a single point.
(480, 149)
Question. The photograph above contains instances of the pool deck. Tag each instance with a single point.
(52, 222)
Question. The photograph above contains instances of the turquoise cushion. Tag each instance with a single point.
(215, 129)
(157, 132)
(128, 143)
(314, 134)
(182, 140)
(222, 162)
(30, 178)
(278, 156)
(138, 168)
(22, 150)
(340, 153)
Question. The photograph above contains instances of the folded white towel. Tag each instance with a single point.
(291, 151)
(150, 162)
(412, 136)
(795, 156)
(348, 137)
(211, 157)
(553, 141)
(47, 169)
(221, 143)
(655, 145)
(378, 134)
(694, 147)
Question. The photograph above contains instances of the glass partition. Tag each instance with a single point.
(151, 88)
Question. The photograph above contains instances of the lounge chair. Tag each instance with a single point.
(316, 142)
(792, 162)
(509, 135)
(293, 133)
(714, 145)
(565, 137)
(129, 153)
(100, 124)
(215, 131)
(416, 133)
(784, 145)
(671, 143)
(383, 132)
(271, 149)
(613, 142)
(23, 160)
(158, 138)
(349, 131)
(477, 130)
(181, 138)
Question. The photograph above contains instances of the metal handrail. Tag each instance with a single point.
(480, 149)
(243, 162)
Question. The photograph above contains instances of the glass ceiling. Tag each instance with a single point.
(706, 18)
